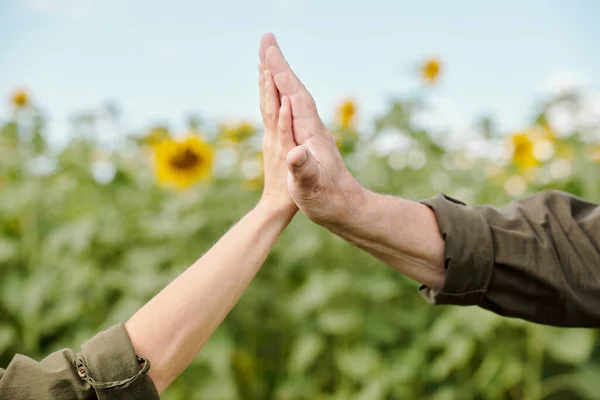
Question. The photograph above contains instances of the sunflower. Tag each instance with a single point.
(20, 98)
(430, 71)
(346, 114)
(237, 133)
(523, 155)
(182, 163)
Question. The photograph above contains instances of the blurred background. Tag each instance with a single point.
(130, 141)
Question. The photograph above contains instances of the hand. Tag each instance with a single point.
(319, 182)
(401, 233)
(277, 142)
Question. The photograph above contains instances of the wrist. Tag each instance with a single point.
(353, 200)
(276, 209)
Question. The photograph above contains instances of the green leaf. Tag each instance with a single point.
(8, 249)
(305, 351)
(570, 346)
(317, 290)
(358, 362)
(375, 390)
(587, 381)
(8, 337)
(339, 321)
(445, 393)
(459, 351)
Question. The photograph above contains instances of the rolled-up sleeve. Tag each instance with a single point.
(536, 259)
(107, 368)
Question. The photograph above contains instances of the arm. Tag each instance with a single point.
(106, 364)
(401, 233)
(169, 331)
(537, 259)
(173, 326)
(139, 359)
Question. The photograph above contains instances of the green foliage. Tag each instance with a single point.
(322, 320)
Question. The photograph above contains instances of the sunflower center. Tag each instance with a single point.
(186, 159)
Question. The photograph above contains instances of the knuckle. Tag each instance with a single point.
(268, 115)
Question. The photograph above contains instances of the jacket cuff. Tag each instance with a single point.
(109, 364)
(468, 253)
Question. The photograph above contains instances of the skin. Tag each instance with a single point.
(401, 233)
(303, 169)
(172, 327)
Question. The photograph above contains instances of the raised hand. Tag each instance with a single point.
(399, 232)
(277, 141)
(319, 182)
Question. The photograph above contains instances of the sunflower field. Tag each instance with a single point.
(89, 233)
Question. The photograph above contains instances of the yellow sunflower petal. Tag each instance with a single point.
(523, 156)
(20, 98)
(430, 70)
(237, 133)
(183, 163)
(346, 114)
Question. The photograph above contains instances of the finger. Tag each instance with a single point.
(304, 109)
(303, 167)
(267, 40)
(284, 126)
(287, 82)
(261, 86)
(271, 113)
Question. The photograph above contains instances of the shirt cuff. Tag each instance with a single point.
(468, 253)
(109, 364)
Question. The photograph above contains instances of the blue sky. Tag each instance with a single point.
(164, 60)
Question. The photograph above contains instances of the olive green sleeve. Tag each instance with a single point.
(536, 259)
(107, 368)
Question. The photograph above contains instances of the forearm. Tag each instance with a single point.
(172, 328)
(401, 233)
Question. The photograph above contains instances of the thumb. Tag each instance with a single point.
(303, 166)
